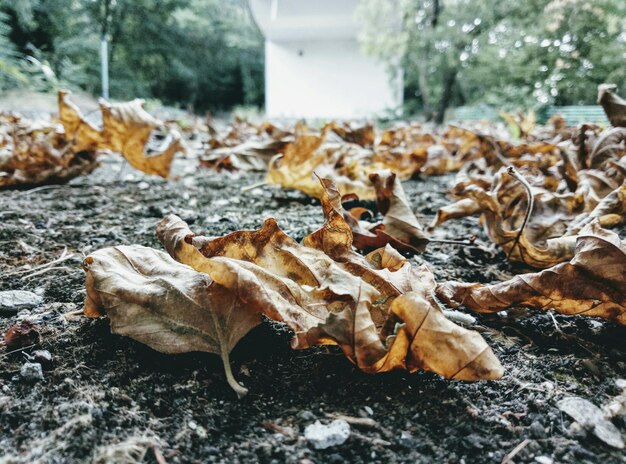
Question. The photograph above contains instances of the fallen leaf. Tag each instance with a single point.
(378, 310)
(614, 106)
(126, 129)
(593, 283)
(166, 305)
(34, 154)
(399, 227)
(22, 334)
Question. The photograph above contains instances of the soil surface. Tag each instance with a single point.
(106, 398)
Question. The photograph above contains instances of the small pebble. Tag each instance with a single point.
(322, 436)
(31, 372)
(537, 430)
(544, 460)
(307, 416)
(12, 301)
(43, 357)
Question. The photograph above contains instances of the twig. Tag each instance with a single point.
(64, 257)
(365, 422)
(158, 455)
(515, 451)
(556, 325)
(529, 208)
(78, 312)
(370, 440)
(358, 421)
(253, 186)
(39, 189)
(4, 355)
(470, 242)
(43, 271)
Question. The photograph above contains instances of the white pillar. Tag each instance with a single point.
(104, 66)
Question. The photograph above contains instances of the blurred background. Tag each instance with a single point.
(387, 59)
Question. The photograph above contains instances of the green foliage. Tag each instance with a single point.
(10, 73)
(508, 53)
(200, 54)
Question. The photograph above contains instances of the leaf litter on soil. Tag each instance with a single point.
(545, 201)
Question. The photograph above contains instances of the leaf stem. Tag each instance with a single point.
(529, 208)
(230, 378)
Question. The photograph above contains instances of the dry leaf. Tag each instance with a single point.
(351, 303)
(22, 334)
(166, 305)
(399, 226)
(593, 283)
(34, 154)
(379, 310)
(126, 129)
(398, 219)
(307, 157)
(614, 106)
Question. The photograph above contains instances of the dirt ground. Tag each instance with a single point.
(109, 399)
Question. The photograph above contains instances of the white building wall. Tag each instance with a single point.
(326, 78)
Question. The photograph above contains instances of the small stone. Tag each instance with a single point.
(307, 416)
(322, 436)
(369, 410)
(201, 432)
(31, 372)
(544, 460)
(264, 450)
(12, 301)
(192, 425)
(43, 357)
(589, 416)
(537, 430)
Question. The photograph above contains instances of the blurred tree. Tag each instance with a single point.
(202, 54)
(509, 53)
(11, 67)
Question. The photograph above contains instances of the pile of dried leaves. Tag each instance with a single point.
(205, 294)
(35, 153)
(546, 199)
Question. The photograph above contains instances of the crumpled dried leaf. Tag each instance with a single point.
(593, 283)
(399, 221)
(614, 106)
(610, 146)
(399, 226)
(308, 157)
(155, 300)
(126, 129)
(364, 135)
(22, 334)
(379, 309)
(34, 154)
(609, 212)
(248, 156)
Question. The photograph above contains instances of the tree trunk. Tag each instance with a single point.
(446, 96)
